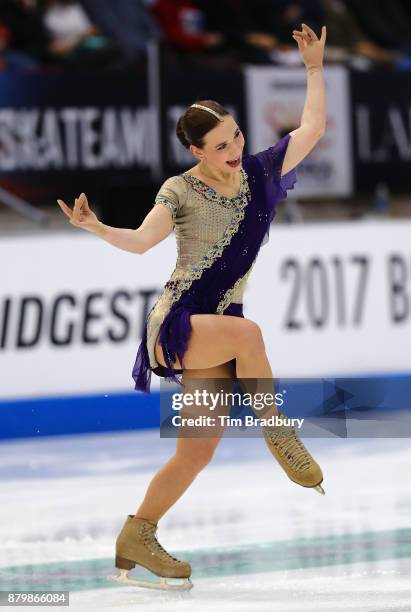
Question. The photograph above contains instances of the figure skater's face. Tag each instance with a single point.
(223, 146)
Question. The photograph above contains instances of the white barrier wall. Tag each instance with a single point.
(335, 298)
(331, 299)
(71, 311)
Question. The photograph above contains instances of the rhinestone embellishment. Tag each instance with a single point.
(238, 204)
(210, 194)
(160, 199)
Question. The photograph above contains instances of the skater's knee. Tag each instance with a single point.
(249, 338)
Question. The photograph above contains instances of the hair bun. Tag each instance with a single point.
(181, 134)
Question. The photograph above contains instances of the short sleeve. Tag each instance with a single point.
(272, 161)
(276, 186)
(171, 194)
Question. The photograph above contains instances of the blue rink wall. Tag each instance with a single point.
(51, 416)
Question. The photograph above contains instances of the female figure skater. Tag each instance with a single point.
(221, 210)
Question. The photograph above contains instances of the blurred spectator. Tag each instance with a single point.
(277, 19)
(346, 39)
(184, 26)
(127, 22)
(67, 24)
(386, 23)
(27, 41)
(223, 28)
(115, 33)
(261, 31)
(281, 17)
(231, 19)
(75, 40)
(53, 33)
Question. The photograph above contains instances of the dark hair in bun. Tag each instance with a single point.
(194, 124)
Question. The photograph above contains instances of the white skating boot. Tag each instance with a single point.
(137, 544)
(292, 455)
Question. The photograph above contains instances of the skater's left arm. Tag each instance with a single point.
(314, 115)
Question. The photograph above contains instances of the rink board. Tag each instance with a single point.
(131, 411)
(332, 300)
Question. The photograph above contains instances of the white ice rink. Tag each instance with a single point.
(256, 541)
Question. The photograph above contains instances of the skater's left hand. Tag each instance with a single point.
(310, 46)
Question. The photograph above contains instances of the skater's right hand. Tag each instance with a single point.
(81, 215)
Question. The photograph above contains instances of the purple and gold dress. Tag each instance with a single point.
(218, 239)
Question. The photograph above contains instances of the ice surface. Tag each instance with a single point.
(256, 541)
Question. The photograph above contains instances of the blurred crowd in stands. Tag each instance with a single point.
(113, 34)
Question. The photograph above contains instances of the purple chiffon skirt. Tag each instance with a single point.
(235, 310)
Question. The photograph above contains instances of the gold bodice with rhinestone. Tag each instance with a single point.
(204, 223)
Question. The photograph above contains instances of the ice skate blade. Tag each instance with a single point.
(122, 578)
(319, 489)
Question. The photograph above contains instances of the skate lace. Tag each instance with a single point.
(290, 447)
(154, 545)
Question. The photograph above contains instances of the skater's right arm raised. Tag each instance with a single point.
(156, 226)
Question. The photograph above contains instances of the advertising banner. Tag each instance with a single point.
(330, 299)
(381, 114)
(71, 312)
(96, 129)
(334, 298)
(275, 101)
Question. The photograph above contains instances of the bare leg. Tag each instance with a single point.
(191, 456)
(216, 339)
(255, 374)
(168, 485)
